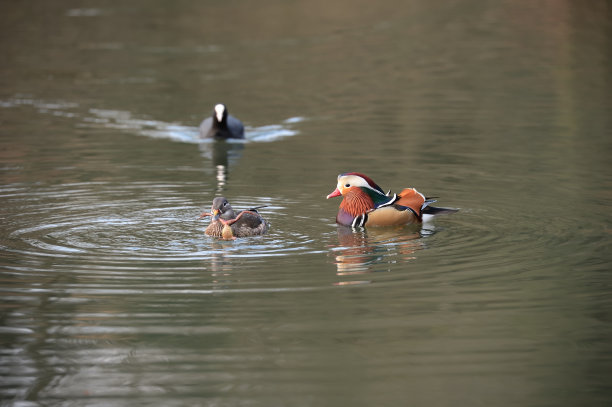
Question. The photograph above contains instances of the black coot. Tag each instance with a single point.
(221, 125)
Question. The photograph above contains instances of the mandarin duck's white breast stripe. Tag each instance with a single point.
(360, 220)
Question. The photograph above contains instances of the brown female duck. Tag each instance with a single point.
(228, 225)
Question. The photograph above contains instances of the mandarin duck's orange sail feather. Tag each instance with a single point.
(411, 198)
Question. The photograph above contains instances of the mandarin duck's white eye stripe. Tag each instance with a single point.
(353, 180)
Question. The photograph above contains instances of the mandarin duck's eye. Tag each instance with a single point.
(347, 185)
(225, 203)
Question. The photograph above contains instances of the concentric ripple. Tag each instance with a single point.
(130, 222)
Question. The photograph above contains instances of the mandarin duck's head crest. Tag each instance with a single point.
(353, 179)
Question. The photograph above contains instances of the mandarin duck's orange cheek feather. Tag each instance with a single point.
(356, 202)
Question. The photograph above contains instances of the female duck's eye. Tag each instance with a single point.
(347, 185)
(225, 203)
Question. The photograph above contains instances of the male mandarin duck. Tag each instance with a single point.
(228, 225)
(221, 125)
(365, 204)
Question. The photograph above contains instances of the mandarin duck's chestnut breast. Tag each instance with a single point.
(364, 203)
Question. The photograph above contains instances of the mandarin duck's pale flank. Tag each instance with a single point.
(221, 125)
(228, 225)
(365, 204)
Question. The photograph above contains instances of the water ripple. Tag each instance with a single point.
(136, 222)
(126, 122)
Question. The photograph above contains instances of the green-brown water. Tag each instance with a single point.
(112, 294)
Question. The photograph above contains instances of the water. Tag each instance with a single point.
(112, 294)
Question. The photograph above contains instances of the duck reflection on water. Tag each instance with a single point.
(222, 154)
(362, 251)
(222, 139)
(220, 265)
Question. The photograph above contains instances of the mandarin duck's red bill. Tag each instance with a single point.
(365, 204)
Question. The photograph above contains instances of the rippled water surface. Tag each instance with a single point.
(113, 295)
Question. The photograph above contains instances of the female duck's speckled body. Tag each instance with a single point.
(365, 204)
(226, 224)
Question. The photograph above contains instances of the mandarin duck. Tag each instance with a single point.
(228, 225)
(365, 204)
(221, 125)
